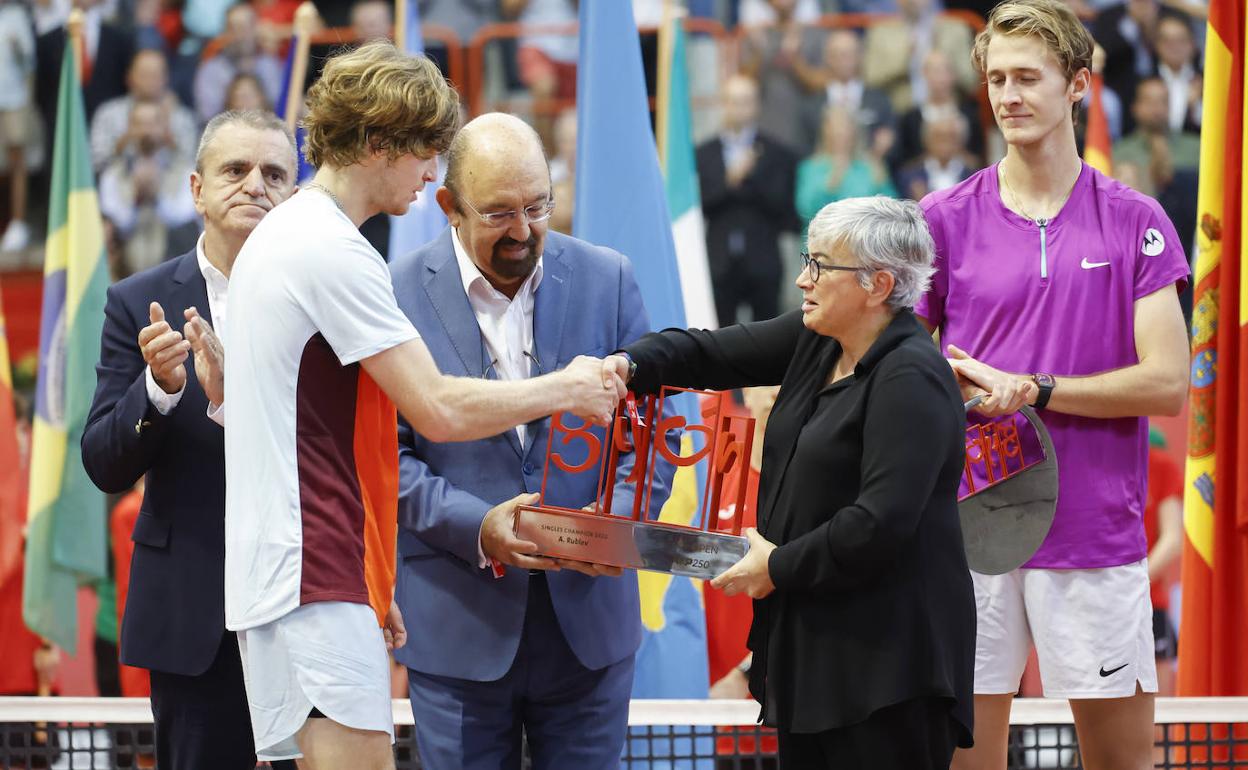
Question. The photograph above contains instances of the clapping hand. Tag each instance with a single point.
(209, 356)
(164, 350)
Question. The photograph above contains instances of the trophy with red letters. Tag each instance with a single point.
(635, 538)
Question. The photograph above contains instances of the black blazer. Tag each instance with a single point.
(175, 612)
(108, 71)
(759, 209)
(873, 603)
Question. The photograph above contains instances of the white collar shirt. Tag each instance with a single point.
(506, 324)
(218, 286)
(1178, 83)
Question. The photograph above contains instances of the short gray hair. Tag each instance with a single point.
(883, 234)
(258, 119)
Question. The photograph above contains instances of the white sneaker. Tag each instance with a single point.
(16, 236)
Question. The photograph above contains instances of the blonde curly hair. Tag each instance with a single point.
(375, 98)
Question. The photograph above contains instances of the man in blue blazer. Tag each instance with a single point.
(542, 651)
(148, 417)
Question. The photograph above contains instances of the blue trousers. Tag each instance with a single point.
(573, 717)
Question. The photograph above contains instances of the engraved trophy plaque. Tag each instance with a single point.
(1008, 495)
(632, 539)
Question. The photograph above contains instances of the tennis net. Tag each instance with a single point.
(98, 733)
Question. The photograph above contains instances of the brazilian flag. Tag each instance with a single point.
(66, 533)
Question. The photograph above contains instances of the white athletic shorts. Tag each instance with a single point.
(327, 655)
(1092, 629)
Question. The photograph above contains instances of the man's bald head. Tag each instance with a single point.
(488, 142)
(497, 196)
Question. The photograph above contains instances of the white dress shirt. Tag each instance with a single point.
(1177, 86)
(218, 286)
(506, 324)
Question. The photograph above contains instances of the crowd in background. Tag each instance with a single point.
(812, 113)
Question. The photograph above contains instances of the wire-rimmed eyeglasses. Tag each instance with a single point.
(814, 266)
(538, 212)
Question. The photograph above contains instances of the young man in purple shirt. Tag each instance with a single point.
(1056, 287)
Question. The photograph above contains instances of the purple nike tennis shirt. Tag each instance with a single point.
(1060, 299)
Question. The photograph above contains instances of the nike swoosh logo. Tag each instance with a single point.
(1112, 671)
(1086, 265)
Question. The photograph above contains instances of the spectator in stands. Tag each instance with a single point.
(1155, 150)
(897, 49)
(757, 13)
(146, 81)
(17, 64)
(747, 180)
(246, 92)
(106, 59)
(784, 58)
(844, 89)
(1129, 34)
(547, 62)
(943, 101)
(840, 169)
(563, 172)
(1178, 66)
(241, 54)
(144, 191)
(944, 161)
(372, 20)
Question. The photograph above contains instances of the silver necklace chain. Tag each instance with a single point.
(338, 203)
(1018, 203)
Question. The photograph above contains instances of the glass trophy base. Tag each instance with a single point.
(619, 542)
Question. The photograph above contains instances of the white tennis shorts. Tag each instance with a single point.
(328, 655)
(1092, 629)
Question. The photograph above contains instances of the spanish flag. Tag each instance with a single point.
(66, 538)
(1214, 624)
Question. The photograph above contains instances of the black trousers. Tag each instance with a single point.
(202, 722)
(912, 735)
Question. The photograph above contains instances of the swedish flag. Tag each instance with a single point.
(66, 531)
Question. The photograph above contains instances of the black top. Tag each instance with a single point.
(858, 489)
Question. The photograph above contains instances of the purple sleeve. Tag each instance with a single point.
(931, 306)
(1159, 257)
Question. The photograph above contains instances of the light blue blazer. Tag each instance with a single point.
(461, 621)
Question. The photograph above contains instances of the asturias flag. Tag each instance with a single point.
(1213, 659)
(621, 203)
(680, 169)
(67, 531)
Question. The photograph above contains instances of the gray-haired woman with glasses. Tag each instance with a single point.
(864, 613)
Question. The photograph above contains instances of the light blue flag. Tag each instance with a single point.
(424, 220)
(621, 203)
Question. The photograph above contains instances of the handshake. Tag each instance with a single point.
(594, 386)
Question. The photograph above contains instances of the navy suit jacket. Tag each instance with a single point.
(462, 622)
(175, 613)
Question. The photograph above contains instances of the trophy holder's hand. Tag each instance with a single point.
(750, 575)
(499, 541)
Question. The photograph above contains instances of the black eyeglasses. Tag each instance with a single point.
(814, 266)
